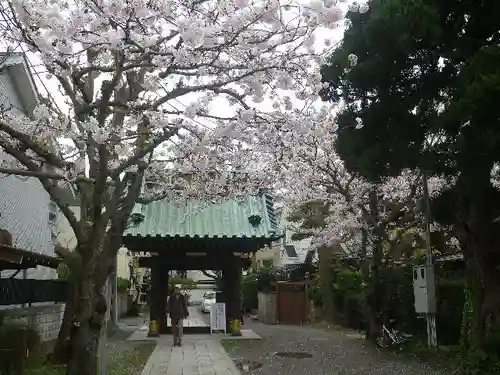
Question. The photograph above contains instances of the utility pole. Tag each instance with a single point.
(429, 265)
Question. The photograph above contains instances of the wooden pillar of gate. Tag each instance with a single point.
(159, 294)
(232, 290)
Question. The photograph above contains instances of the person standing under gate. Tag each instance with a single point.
(178, 311)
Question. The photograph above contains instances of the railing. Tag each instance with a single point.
(20, 291)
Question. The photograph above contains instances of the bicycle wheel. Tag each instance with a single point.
(382, 340)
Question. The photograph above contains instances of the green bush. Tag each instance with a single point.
(450, 298)
(122, 285)
(63, 272)
(187, 283)
(261, 280)
(8, 336)
(482, 363)
(314, 290)
(348, 280)
(398, 299)
(249, 291)
(266, 279)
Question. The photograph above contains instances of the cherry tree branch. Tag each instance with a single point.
(47, 156)
(50, 186)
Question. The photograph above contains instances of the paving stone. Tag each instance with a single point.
(201, 355)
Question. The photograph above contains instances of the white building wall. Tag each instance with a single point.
(122, 260)
(301, 247)
(9, 99)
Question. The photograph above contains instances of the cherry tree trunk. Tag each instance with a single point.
(325, 268)
(85, 343)
(87, 325)
(365, 272)
(483, 275)
(375, 289)
(61, 349)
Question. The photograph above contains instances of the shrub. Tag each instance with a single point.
(399, 301)
(187, 283)
(481, 362)
(249, 291)
(314, 291)
(63, 272)
(122, 285)
(450, 298)
(8, 336)
(266, 279)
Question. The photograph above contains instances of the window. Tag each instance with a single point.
(53, 237)
(52, 211)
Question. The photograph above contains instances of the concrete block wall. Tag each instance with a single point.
(46, 320)
(123, 303)
(267, 308)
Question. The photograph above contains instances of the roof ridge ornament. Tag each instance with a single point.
(255, 220)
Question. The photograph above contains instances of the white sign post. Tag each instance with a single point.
(218, 317)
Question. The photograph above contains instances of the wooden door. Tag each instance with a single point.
(291, 303)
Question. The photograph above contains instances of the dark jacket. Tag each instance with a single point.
(177, 307)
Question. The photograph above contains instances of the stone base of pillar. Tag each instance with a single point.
(153, 334)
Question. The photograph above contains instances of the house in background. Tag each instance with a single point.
(26, 210)
(65, 236)
(286, 252)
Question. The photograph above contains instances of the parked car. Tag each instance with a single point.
(207, 301)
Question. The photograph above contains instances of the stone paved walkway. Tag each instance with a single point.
(199, 355)
(196, 319)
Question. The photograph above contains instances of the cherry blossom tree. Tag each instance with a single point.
(163, 92)
(310, 171)
(301, 152)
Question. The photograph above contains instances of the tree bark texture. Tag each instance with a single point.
(87, 323)
(61, 349)
(375, 289)
(325, 269)
(480, 242)
(365, 272)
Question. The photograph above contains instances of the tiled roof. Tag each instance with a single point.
(26, 259)
(194, 219)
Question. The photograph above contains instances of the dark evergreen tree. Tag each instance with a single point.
(426, 87)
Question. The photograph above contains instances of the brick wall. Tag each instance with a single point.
(46, 319)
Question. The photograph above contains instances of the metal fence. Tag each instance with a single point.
(20, 291)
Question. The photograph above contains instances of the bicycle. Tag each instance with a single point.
(388, 336)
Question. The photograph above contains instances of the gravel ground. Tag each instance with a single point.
(127, 357)
(333, 353)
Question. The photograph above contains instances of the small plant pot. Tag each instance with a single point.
(235, 327)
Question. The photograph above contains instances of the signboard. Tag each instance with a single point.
(218, 317)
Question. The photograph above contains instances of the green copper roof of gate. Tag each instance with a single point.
(193, 219)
